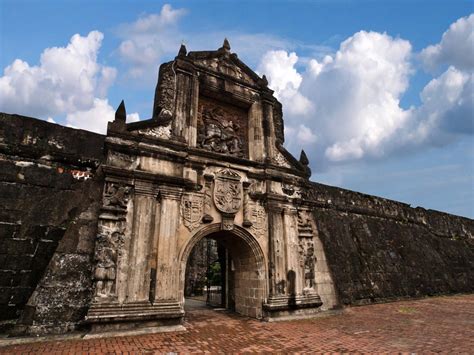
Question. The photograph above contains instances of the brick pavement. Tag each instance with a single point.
(440, 324)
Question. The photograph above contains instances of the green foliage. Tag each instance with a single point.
(215, 274)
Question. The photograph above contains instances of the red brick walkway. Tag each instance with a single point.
(441, 324)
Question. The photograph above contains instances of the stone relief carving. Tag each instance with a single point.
(308, 261)
(305, 228)
(107, 245)
(163, 132)
(192, 210)
(110, 238)
(258, 217)
(228, 191)
(226, 67)
(116, 195)
(306, 250)
(222, 128)
(280, 160)
(288, 189)
(165, 94)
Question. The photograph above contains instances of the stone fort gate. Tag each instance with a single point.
(209, 163)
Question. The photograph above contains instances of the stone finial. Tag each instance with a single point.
(226, 45)
(264, 80)
(303, 158)
(121, 113)
(182, 50)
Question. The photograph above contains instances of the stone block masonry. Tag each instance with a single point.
(49, 186)
(380, 250)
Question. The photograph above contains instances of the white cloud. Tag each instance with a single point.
(133, 117)
(67, 79)
(154, 38)
(447, 107)
(456, 47)
(278, 66)
(346, 106)
(146, 40)
(349, 100)
(93, 119)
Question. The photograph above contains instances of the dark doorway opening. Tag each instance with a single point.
(222, 272)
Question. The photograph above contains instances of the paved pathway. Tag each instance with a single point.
(440, 324)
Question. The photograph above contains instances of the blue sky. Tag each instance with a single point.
(378, 93)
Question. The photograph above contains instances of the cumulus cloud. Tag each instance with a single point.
(68, 82)
(67, 79)
(346, 106)
(284, 79)
(447, 108)
(455, 48)
(146, 40)
(348, 102)
(93, 119)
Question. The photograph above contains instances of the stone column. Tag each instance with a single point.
(276, 257)
(269, 129)
(294, 273)
(193, 115)
(184, 85)
(167, 288)
(138, 285)
(256, 135)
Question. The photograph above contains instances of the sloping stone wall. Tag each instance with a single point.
(380, 250)
(49, 194)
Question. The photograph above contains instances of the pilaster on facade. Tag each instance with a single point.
(170, 192)
(145, 188)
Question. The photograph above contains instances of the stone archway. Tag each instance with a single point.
(248, 268)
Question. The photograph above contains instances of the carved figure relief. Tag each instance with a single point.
(110, 238)
(116, 195)
(191, 210)
(228, 191)
(308, 261)
(306, 249)
(107, 244)
(222, 128)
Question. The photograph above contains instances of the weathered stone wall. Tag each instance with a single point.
(49, 194)
(379, 249)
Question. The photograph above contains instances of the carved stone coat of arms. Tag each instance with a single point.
(191, 210)
(228, 191)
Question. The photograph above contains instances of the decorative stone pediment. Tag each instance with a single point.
(223, 62)
(227, 67)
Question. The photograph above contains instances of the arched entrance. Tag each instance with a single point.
(242, 267)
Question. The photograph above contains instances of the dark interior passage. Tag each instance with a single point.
(222, 271)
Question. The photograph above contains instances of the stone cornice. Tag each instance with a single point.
(150, 177)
